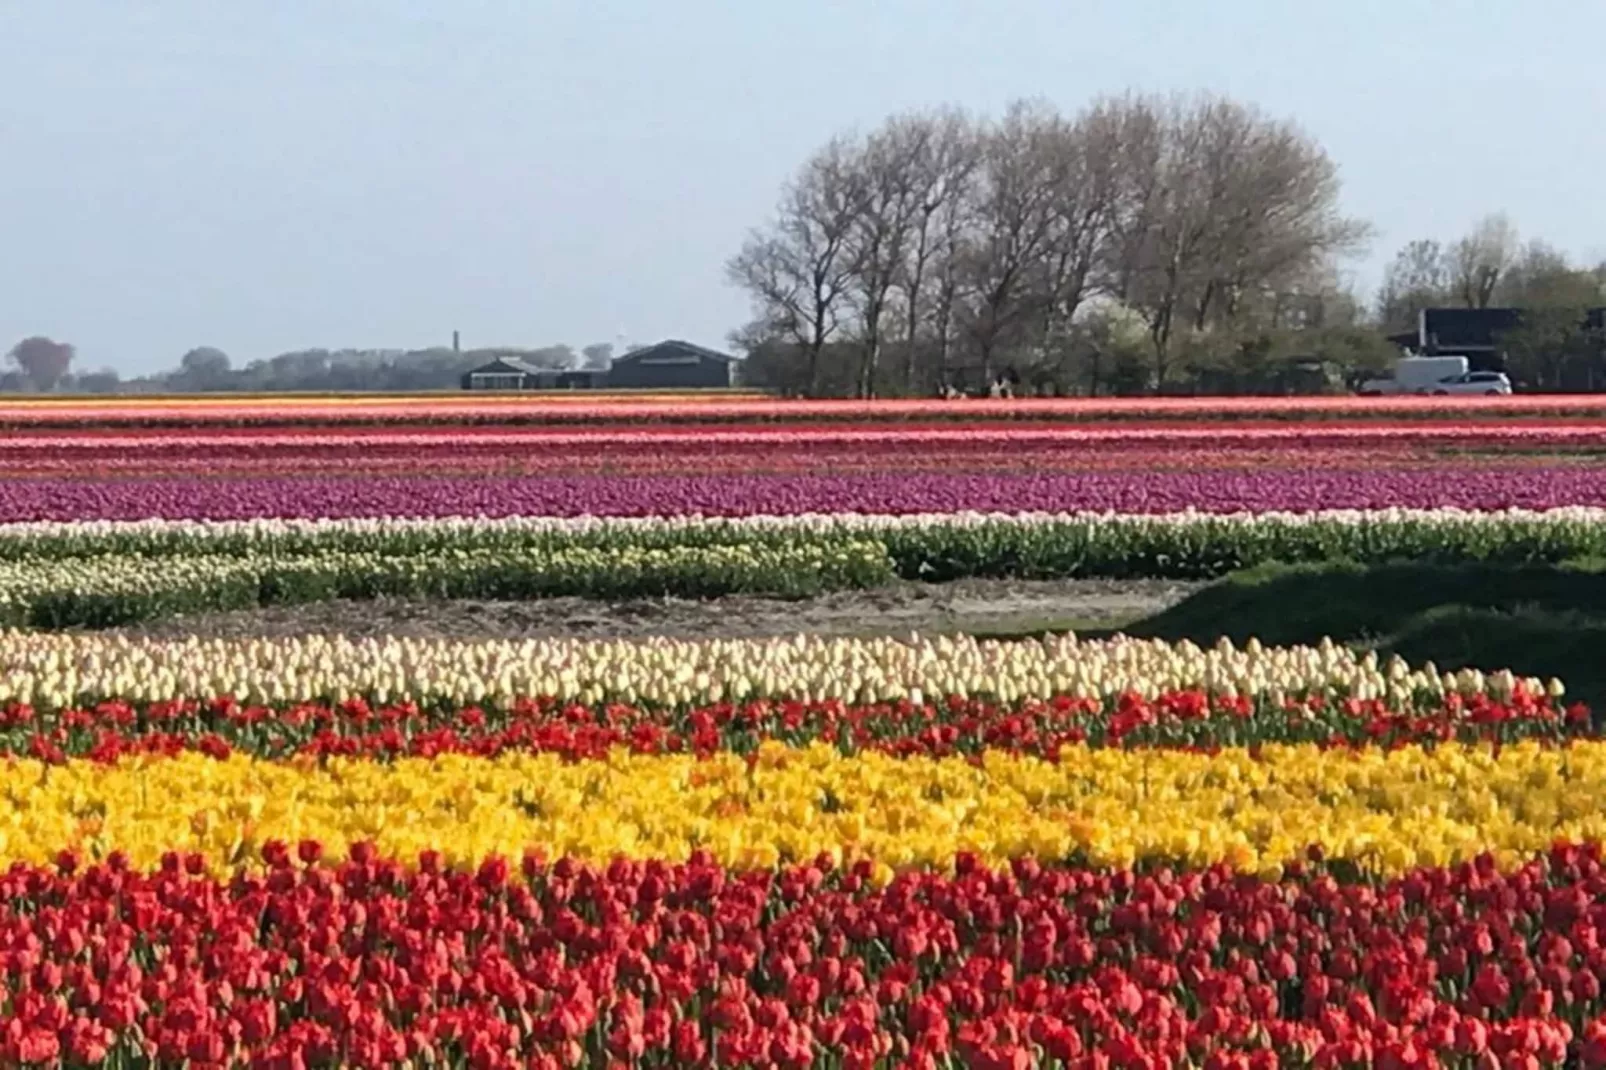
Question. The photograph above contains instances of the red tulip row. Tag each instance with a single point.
(1187, 719)
(369, 963)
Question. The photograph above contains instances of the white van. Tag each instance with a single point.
(1416, 375)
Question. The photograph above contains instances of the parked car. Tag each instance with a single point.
(1474, 383)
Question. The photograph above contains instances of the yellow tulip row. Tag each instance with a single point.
(1384, 811)
(58, 670)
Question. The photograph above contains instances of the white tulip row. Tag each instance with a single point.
(269, 530)
(59, 670)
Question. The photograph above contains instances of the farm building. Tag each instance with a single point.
(1474, 333)
(672, 365)
(509, 373)
(583, 379)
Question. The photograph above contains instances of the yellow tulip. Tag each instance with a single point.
(1385, 811)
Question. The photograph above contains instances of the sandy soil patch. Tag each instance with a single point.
(986, 606)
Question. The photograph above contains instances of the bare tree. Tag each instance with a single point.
(985, 240)
(44, 361)
(798, 269)
(1140, 149)
(1477, 261)
(893, 197)
(1179, 169)
(1088, 185)
(1282, 232)
(953, 221)
(1540, 275)
(1485, 266)
(1418, 277)
(1018, 180)
(943, 170)
(1234, 205)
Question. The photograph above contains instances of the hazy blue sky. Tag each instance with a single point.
(264, 175)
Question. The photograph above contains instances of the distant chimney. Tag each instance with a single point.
(455, 347)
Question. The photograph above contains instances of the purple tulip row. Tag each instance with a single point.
(1462, 486)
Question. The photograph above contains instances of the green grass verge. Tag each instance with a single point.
(1355, 600)
(1537, 620)
(1571, 646)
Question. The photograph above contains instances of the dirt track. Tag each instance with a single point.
(987, 606)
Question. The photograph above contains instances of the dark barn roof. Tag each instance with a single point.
(1452, 328)
(509, 365)
(675, 348)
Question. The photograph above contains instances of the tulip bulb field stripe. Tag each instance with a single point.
(755, 442)
(702, 449)
(122, 589)
(650, 408)
(553, 964)
(1378, 811)
(62, 670)
(701, 458)
(775, 554)
(1371, 486)
(712, 437)
(1182, 719)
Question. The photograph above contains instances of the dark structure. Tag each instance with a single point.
(586, 379)
(1474, 333)
(509, 373)
(666, 366)
(672, 365)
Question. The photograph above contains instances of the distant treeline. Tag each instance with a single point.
(42, 365)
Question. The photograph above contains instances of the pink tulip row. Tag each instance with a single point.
(1293, 487)
(716, 458)
(789, 463)
(1571, 433)
(579, 408)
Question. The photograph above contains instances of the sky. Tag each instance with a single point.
(269, 175)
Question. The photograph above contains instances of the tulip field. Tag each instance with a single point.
(911, 850)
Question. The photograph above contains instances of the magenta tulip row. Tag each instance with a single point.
(1465, 486)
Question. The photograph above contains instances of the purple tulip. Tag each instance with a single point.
(1132, 492)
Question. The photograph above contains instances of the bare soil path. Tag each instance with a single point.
(980, 606)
